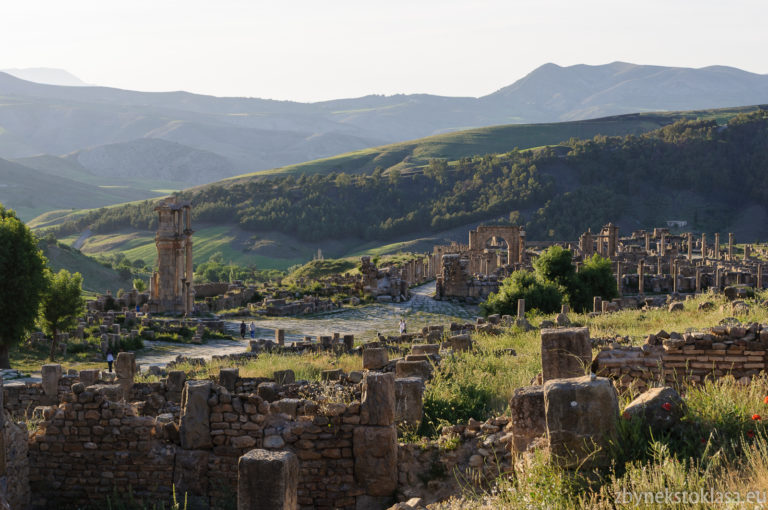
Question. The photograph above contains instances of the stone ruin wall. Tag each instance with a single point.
(740, 352)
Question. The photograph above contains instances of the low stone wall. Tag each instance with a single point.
(738, 351)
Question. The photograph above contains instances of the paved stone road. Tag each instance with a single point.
(363, 322)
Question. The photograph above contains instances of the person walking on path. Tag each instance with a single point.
(402, 326)
(253, 331)
(110, 360)
(242, 330)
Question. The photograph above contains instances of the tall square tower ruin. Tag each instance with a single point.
(171, 287)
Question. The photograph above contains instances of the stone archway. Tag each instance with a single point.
(510, 234)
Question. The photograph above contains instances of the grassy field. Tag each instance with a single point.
(96, 277)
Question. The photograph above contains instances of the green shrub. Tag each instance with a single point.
(538, 294)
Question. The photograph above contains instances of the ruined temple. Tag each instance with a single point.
(171, 286)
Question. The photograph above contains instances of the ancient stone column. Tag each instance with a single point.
(647, 243)
(673, 270)
(698, 280)
(747, 252)
(409, 400)
(267, 480)
(597, 305)
(565, 353)
(280, 336)
(349, 342)
(520, 308)
(704, 247)
(730, 246)
(690, 246)
(228, 378)
(377, 406)
(658, 266)
(717, 279)
(662, 244)
(641, 277)
(618, 278)
(759, 284)
(717, 245)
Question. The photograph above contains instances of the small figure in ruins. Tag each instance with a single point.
(110, 360)
(402, 326)
(253, 330)
(242, 330)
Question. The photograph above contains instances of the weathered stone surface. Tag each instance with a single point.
(228, 378)
(175, 385)
(267, 480)
(125, 369)
(581, 416)
(409, 401)
(190, 475)
(268, 391)
(661, 408)
(375, 358)
(51, 373)
(528, 416)
(284, 376)
(375, 451)
(425, 349)
(378, 399)
(565, 352)
(89, 377)
(420, 369)
(194, 427)
(677, 306)
(460, 342)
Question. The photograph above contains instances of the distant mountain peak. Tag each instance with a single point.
(47, 76)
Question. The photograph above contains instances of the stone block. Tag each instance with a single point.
(420, 369)
(228, 378)
(284, 376)
(660, 408)
(460, 342)
(194, 422)
(375, 452)
(175, 385)
(268, 391)
(190, 476)
(409, 401)
(528, 416)
(280, 336)
(51, 374)
(581, 415)
(267, 480)
(375, 358)
(565, 352)
(378, 399)
(425, 349)
(89, 377)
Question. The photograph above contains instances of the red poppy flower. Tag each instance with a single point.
(626, 416)
(703, 441)
(750, 434)
(666, 406)
(765, 400)
(756, 417)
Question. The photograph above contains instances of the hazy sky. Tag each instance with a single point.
(310, 50)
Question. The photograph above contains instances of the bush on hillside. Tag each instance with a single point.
(538, 294)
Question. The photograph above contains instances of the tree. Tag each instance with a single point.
(538, 294)
(595, 278)
(555, 265)
(61, 305)
(139, 285)
(22, 281)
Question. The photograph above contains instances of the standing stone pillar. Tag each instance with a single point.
(759, 283)
(618, 278)
(280, 337)
(565, 353)
(704, 247)
(267, 480)
(690, 246)
(349, 342)
(597, 304)
(374, 446)
(658, 266)
(747, 252)
(51, 374)
(647, 243)
(717, 245)
(662, 245)
(698, 280)
(521, 308)
(730, 246)
(125, 369)
(717, 279)
(195, 418)
(673, 270)
(641, 277)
